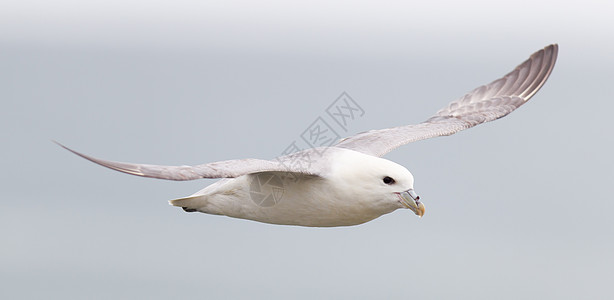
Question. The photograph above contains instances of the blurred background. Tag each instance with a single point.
(516, 209)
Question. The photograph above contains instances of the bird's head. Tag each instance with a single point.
(378, 179)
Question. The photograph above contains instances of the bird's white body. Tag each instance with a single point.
(351, 193)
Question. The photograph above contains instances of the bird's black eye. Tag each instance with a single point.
(388, 180)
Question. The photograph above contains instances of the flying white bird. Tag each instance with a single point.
(347, 183)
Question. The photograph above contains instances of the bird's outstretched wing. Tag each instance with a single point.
(485, 103)
(220, 169)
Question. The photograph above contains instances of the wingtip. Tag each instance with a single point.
(550, 50)
(57, 143)
(71, 150)
(61, 145)
(555, 49)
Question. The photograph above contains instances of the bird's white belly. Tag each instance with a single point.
(281, 198)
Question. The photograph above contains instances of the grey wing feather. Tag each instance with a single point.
(483, 104)
(220, 169)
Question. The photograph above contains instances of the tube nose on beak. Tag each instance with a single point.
(411, 200)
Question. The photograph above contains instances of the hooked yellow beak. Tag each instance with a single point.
(411, 200)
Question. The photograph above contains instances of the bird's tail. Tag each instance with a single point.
(190, 203)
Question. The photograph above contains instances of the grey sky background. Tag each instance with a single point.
(517, 208)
